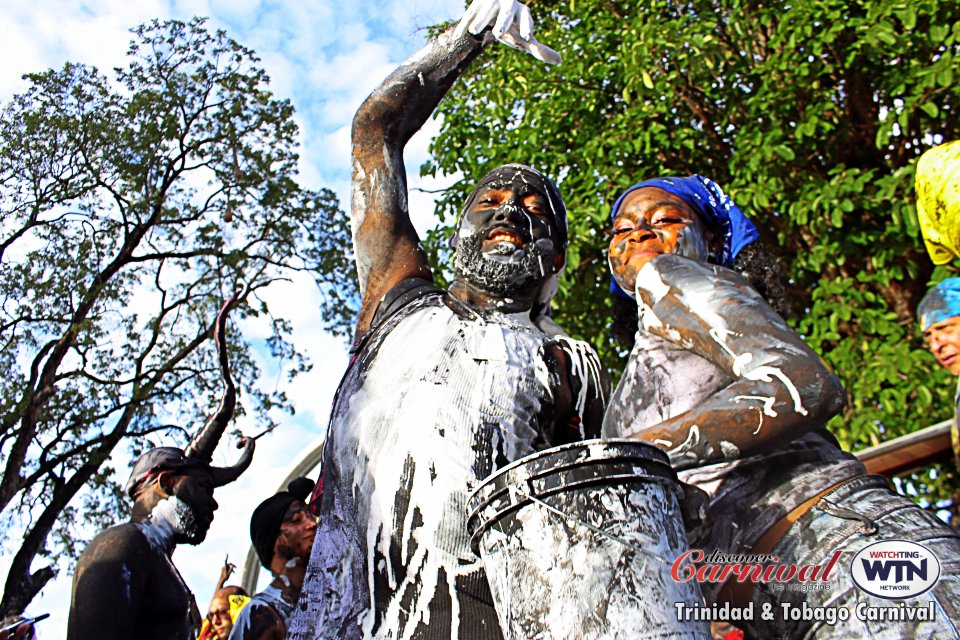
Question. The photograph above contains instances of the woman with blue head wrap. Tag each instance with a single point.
(727, 230)
(738, 401)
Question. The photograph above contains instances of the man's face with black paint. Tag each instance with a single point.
(651, 222)
(507, 240)
(943, 340)
(194, 489)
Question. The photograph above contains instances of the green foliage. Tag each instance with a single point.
(811, 115)
(130, 209)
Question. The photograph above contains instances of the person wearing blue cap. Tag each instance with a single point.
(737, 400)
(939, 313)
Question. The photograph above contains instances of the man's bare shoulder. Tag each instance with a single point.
(118, 541)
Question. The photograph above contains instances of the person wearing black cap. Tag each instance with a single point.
(446, 385)
(282, 531)
(126, 585)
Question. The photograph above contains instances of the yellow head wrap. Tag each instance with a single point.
(938, 201)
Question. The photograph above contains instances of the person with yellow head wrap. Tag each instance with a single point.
(224, 611)
(938, 201)
(225, 607)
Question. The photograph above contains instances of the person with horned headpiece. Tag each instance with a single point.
(126, 585)
(445, 386)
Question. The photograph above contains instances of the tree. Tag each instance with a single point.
(130, 210)
(810, 114)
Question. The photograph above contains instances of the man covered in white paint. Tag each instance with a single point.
(126, 586)
(445, 386)
(739, 402)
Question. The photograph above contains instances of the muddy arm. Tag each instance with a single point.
(386, 245)
(108, 588)
(781, 388)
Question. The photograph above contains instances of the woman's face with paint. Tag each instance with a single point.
(652, 222)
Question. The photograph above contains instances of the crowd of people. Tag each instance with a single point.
(447, 385)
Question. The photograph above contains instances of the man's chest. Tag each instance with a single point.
(168, 609)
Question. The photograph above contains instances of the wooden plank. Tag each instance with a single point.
(907, 453)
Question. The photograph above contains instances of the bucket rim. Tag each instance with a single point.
(652, 454)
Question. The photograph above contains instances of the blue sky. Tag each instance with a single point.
(325, 57)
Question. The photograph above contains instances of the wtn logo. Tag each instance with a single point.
(895, 569)
(902, 569)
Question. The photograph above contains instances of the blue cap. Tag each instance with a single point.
(940, 303)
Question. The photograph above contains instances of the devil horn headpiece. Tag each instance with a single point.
(202, 446)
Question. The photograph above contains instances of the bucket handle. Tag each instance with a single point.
(597, 530)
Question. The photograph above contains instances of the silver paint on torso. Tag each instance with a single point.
(436, 401)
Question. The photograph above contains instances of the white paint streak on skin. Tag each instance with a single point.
(767, 408)
(648, 279)
(584, 366)
(358, 196)
(693, 439)
(663, 444)
(545, 245)
(650, 322)
(699, 296)
(359, 204)
(126, 576)
(762, 373)
(690, 243)
(169, 517)
(729, 449)
(383, 185)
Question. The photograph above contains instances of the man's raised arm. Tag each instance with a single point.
(386, 245)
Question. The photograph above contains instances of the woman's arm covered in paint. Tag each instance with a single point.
(781, 388)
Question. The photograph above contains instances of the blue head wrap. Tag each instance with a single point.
(712, 205)
(940, 303)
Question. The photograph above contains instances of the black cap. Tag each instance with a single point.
(268, 516)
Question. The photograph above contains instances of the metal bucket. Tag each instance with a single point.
(577, 542)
